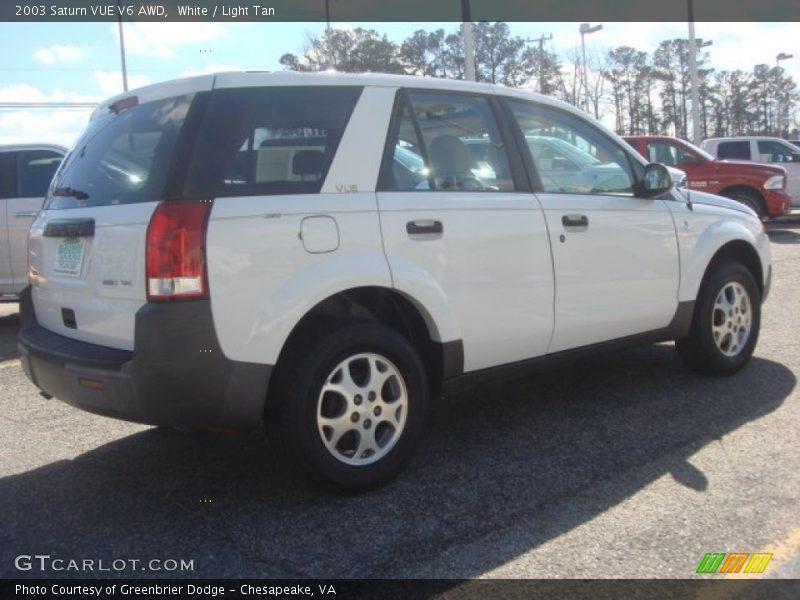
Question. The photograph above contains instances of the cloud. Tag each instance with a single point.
(110, 82)
(61, 126)
(61, 54)
(25, 92)
(162, 40)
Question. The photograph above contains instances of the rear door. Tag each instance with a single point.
(615, 255)
(34, 169)
(87, 247)
(459, 223)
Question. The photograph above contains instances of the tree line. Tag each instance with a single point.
(645, 93)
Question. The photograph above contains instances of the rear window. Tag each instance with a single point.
(271, 140)
(121, 158)
(735, 150)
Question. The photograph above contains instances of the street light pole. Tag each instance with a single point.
(781, 56)
(694, 77)
(584, 30)
(469, 46)
(122, 49)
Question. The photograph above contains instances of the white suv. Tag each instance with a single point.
(321, 252)
(25, 174)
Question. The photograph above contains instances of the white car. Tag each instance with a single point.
(25, 174)
(762, 149)
(320, 253)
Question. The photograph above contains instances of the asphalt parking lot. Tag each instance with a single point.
(625, 466)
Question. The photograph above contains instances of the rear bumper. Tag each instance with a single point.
(176, 376)
(778, 202)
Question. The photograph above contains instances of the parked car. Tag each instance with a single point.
(764, 150)
(184, 273)
(25, 174)
(761, 187)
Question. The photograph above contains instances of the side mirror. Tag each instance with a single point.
(656, 181)
(688, 159)
(795, 156)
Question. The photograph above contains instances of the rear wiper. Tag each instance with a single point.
(71, 192)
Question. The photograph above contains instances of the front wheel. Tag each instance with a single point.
(726, 322)
(353, 406)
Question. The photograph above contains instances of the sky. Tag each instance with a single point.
(80, 62)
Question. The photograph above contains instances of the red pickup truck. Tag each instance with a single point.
(761, 187)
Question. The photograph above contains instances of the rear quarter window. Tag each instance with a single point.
(271, 140)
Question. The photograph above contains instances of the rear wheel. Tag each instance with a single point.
(726, 322)
(750, 199)
(351, 409)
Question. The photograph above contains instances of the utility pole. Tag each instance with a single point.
(122, 49)
(541, 41)
(469, 46)
(694, 77)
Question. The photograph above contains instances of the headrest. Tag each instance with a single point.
(449, 157)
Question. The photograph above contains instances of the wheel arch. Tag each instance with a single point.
(740, 251)
(388, 306)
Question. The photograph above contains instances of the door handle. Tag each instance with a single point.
(575, 221)
(26, 214)
(424, 227)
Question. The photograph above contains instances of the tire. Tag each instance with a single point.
(728, 304)
(326, 393)
(750, 199)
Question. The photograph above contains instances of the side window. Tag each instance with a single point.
(769, 151)
(660, 152)
(570, 155)
(446, 142)
(273, 140)
(408, 168)
(35, 170)
(735, 150)
(8, 188)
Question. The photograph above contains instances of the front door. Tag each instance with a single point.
(783, 155)
(615, 255)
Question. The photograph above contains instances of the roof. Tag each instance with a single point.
(743, 138)
(238, 79)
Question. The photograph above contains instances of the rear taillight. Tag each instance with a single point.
(176, 251)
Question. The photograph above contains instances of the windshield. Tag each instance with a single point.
(122, 157)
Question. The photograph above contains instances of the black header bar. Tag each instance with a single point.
(399, 10)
